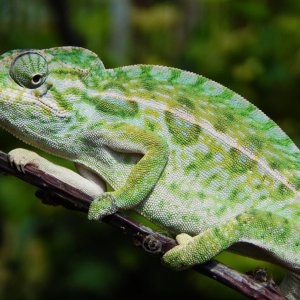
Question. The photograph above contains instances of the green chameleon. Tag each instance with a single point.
(184, 151)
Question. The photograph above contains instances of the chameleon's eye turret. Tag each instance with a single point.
(29, 70)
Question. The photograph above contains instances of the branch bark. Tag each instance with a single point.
(55, 192)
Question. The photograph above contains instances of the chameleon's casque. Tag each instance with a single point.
(186, 152)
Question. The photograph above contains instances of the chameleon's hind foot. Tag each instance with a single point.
(202, 247)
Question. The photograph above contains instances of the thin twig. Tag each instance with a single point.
(55, 192)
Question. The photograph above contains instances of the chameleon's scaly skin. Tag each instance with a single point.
(208, 163)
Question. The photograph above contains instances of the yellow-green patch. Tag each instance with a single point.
(183, 132)
(60, 99)
(152, 125)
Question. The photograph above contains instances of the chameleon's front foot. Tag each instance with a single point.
(103, 206)
(20, 158)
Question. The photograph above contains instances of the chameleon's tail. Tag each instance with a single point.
(290, 286)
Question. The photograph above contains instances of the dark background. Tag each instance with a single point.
(251, 46)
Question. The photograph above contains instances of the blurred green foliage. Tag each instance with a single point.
(251, 46)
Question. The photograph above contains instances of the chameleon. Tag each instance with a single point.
(181, 150)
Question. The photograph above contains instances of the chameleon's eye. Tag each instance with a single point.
(29, 70)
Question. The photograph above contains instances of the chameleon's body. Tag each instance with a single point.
(209, 163)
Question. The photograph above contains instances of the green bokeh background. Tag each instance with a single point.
(251, 46)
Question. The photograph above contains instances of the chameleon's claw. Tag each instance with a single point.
(103, 206)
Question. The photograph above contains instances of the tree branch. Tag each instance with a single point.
(55, 192)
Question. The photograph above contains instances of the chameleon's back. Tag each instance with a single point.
(226, 155)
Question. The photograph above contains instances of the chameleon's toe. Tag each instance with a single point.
(173, 258)
(184, 255)
(184, 238)
(102, 206)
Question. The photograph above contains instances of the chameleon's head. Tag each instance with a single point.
(39, 87)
